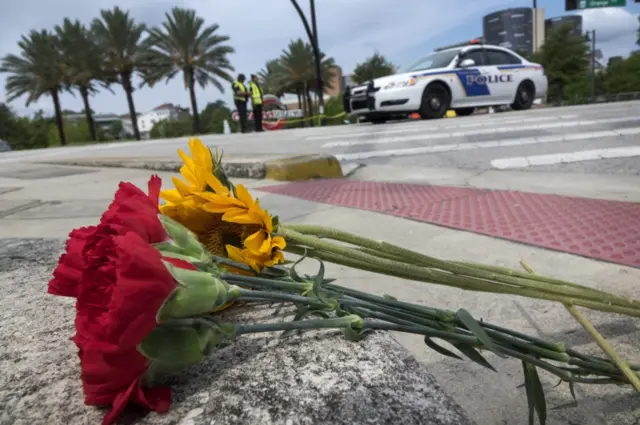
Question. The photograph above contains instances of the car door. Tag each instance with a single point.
(472, 79)
(505, 70)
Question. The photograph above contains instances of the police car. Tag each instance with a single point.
(460, 78)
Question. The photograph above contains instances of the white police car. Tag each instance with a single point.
(460, 78)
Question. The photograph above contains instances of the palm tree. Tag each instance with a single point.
(82, 60)
(297, 64)
(272, 78)
(36, 72)
(120, 37)
(184, 44)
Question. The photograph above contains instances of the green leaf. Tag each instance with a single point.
(474, 327)
(294, 274)
(390, 297)
(354, 335)
(535, 394)
(300, 315)
(473, 355)
(440, 349)
(572, 390)
(318, 279)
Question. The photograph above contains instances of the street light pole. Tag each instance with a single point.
(313, 38)
(534, 32)
(316, 52)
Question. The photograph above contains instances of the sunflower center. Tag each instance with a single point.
(222, 233)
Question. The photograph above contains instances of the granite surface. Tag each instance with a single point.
(313, 378)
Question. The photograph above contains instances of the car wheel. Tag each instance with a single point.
(525, 95)
(436, 100)
(464, 112)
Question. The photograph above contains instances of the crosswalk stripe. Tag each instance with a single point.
(429, 126)
(565, 157)
(492, 130)
(489, 144)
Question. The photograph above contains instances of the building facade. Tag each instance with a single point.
(147, 120)
(574, 20)
(510, 28)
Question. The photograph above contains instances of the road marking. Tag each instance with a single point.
(493, 130)
(425, 125)
(485, 145)
(565, 158)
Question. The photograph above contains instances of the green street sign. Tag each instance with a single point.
(595, 4)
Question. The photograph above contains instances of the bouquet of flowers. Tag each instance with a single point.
(150, 278)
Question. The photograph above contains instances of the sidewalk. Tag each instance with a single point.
(51, 206)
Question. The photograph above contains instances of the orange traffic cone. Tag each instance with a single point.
(414, 116)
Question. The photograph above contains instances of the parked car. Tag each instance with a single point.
(460, 78)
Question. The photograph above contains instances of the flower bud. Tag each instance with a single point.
(171, 348)
(197, 293)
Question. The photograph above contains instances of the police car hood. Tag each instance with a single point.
(383, 81)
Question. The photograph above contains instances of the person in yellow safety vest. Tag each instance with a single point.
(240, 97)
(256, 101)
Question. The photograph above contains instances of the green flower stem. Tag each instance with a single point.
(260, 282)
(443, 318)
(602, 343)
(352, 258)
(278, 296)
(411, 257)
(338, 323)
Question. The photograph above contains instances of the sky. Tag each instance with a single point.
(348, 30)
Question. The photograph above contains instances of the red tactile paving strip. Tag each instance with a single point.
(605, 230)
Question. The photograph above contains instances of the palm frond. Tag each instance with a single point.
(37, 71)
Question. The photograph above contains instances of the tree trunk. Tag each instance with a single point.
(299, 99)
(87, 113)
(58, 112)
(128, 89)
(194, 103)
(310, 104)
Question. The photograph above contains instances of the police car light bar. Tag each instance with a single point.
(477, 40)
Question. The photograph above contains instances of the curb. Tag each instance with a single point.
(303, 167)
(296, 168)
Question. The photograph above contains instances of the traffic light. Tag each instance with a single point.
(572, 5)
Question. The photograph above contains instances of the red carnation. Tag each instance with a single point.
(131, 210)
(122, 289)
(69, 270)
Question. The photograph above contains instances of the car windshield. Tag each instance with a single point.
(434, 60)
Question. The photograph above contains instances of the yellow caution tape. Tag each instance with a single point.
(342, 114)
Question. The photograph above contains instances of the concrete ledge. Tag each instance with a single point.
(315, 378)
(303, 167)
(249, 168)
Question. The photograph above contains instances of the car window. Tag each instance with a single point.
(434, 60)
(499, 57)
(476, 55)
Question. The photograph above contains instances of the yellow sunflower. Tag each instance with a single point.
(224, 217)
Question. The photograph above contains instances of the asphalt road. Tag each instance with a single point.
(601, 138)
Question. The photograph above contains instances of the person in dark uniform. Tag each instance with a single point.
(256, 101)
(240, 97)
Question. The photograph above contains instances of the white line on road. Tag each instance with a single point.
(493, 130)
(484, 145)
(565, 157)
(428, 125)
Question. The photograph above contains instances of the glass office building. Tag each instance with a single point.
(510, 28)
(574, 20)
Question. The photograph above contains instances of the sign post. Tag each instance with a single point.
(593, 4)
